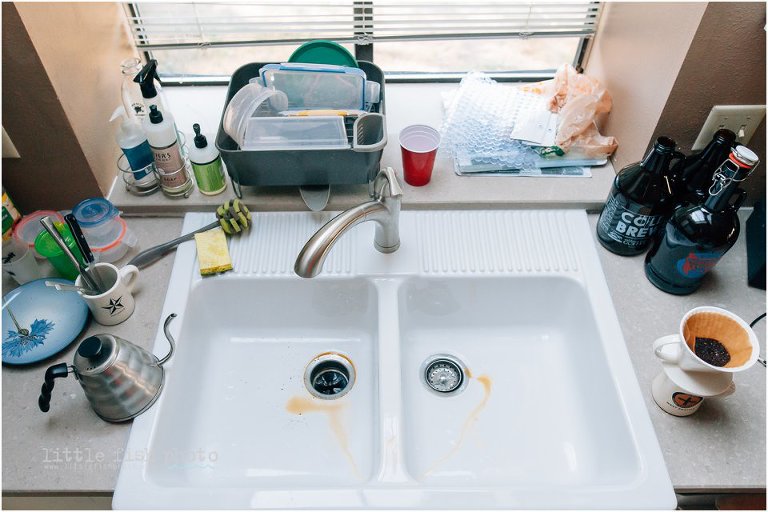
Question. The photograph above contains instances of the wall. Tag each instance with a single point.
(81, 46)
(725, 65)
(637, 54)
(53, 171)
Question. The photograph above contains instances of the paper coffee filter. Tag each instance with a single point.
(727, 331)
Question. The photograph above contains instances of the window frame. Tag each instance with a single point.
(365, 51)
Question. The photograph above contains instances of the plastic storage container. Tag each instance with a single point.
(29, 227)
(96, 217)
(302, 167)
(321, 132)
(317, 86)
(116, 245)
(253, 99)
(107, 234)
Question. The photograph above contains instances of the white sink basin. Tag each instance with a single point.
(548, 415)
(243, 369)
(540, 407)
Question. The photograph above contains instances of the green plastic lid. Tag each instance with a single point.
(321, 51)
(46, 246)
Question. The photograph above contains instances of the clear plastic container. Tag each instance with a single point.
(285, 133)
(107, 234)
(372, 93)
(29, 227)
(98, 218)
(317, 86)
(120, 243)
(252, 100)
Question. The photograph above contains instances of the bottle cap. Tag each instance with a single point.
(745, 155)
(200, 140)
(155, 116)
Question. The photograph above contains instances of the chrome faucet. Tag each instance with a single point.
(384, 209)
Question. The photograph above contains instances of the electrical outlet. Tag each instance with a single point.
(740, 119)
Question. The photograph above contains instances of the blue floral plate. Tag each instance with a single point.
(40, 321)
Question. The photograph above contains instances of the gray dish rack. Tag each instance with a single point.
(272, 168)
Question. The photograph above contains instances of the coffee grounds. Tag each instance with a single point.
(712, 351)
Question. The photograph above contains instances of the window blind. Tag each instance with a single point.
(165, 26)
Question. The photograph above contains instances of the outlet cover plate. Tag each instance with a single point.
(733, 117)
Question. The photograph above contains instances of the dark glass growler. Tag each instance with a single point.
(639, 203)
(692, 177)
(697, 236)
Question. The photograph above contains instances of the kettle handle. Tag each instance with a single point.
(56, 371)
(169, 338)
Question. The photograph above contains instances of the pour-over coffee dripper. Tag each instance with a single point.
(735, 343)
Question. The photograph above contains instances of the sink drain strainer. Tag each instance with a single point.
(444, 374)
(329, 376)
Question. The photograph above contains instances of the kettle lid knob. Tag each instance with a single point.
(90, 348)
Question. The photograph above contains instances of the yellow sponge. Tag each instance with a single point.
(212, 252)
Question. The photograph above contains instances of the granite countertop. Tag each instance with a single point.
(720, 448)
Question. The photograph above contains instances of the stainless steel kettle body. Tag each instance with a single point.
(120, 379)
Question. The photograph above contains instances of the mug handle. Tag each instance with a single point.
(128, 275)
(664, 341)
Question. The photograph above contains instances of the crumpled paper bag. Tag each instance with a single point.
(577, 99)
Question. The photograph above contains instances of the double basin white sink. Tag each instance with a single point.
(548, 414)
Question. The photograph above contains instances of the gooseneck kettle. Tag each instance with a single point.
(120, 379)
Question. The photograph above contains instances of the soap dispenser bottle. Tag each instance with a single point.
(133, 142)
(206, 164)
(161, 134)
(640, 201)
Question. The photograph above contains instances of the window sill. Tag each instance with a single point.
(405, 104)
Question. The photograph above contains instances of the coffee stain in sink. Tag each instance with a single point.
(300, 405)
(486, 381)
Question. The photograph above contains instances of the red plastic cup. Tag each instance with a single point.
(418, 146)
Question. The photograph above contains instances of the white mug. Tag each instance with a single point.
(711, 322)
(680, 401)
(19, 262)
(117, 303)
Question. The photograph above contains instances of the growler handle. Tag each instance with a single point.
(56, 371)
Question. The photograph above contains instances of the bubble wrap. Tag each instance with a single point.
(478, 123)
